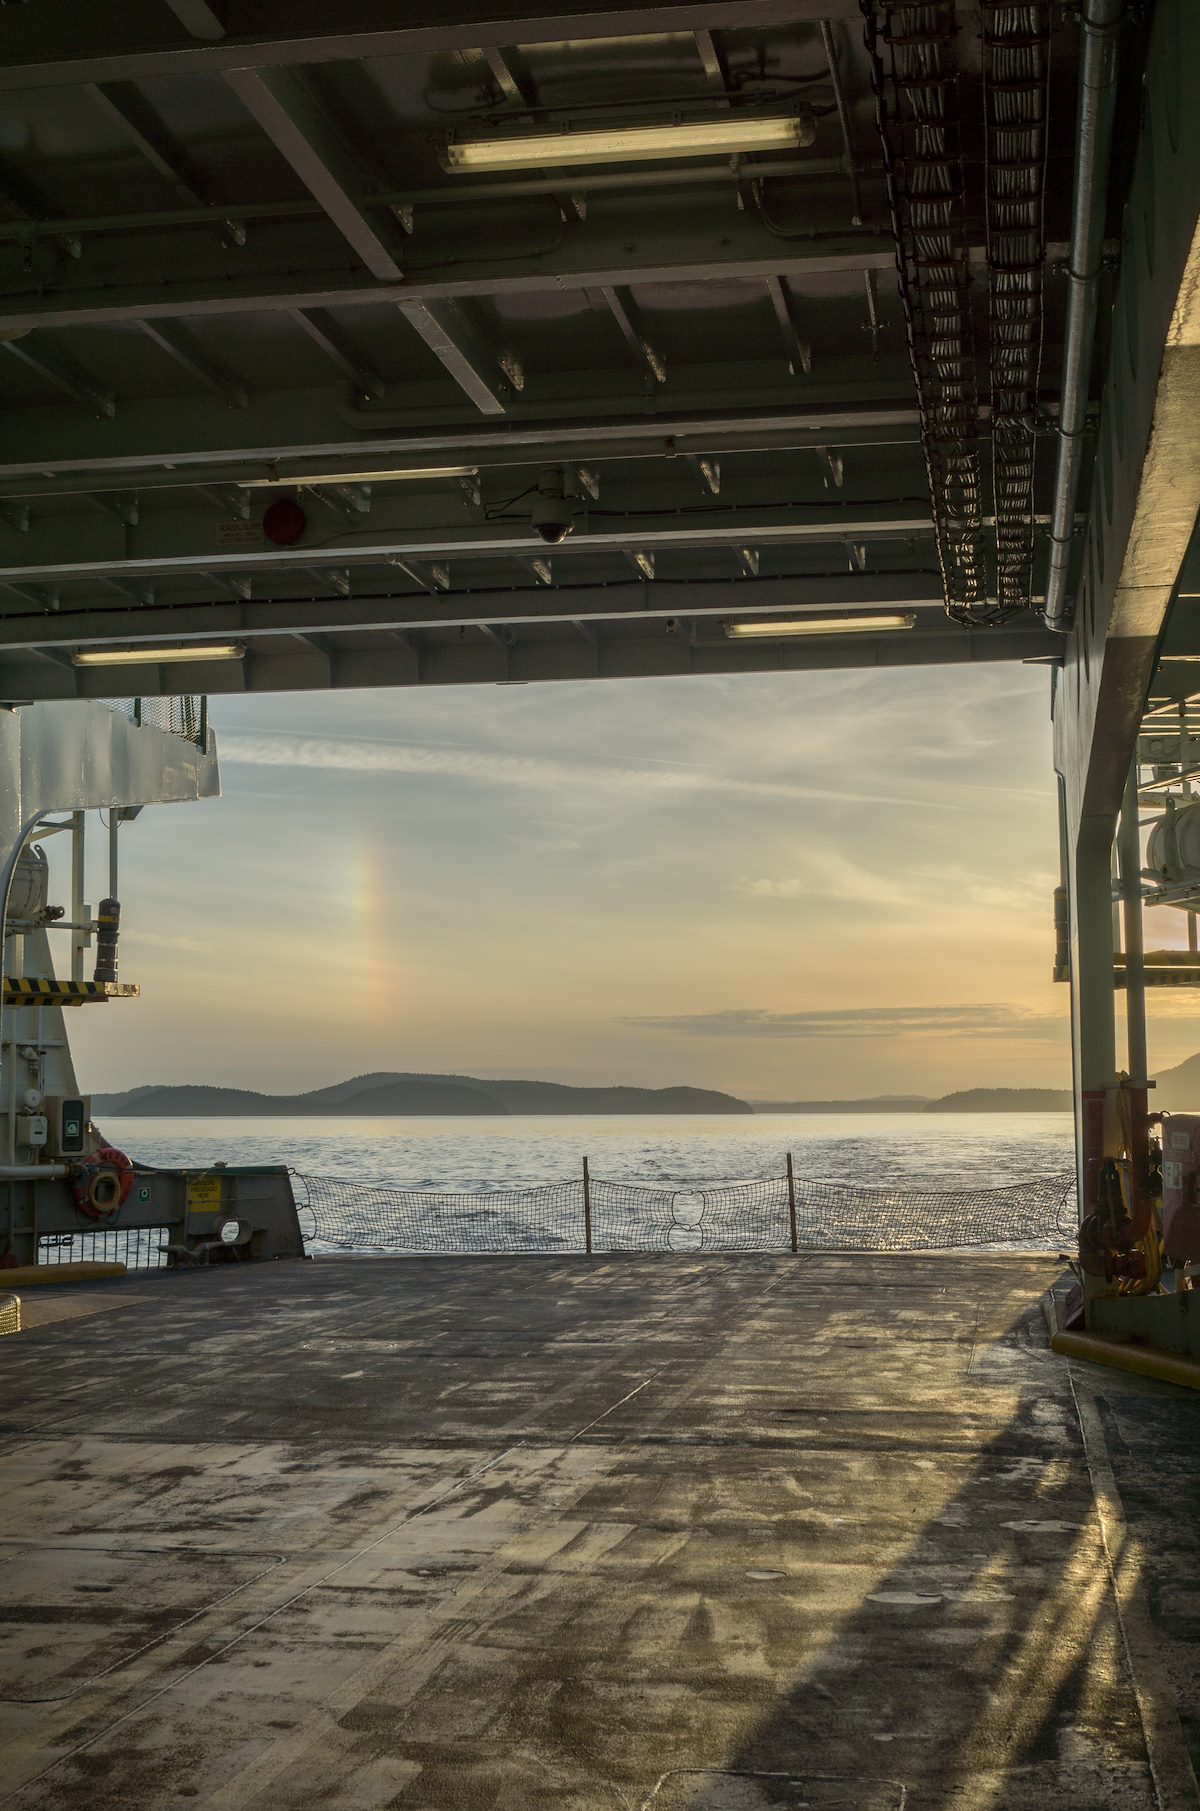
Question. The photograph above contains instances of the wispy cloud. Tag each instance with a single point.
(829, 876)
(972, 1021)
(178, 943)
(492, 767)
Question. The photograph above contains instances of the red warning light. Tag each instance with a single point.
(284, 521)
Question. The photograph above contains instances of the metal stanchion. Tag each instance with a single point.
(587, 1207)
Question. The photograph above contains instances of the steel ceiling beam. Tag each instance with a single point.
(457, 346)
(199, 18)
(664, 179)
(21, 200)
(187, 352)
(142, 594)
(303, 133)
(43, 601)
(228, 498)
(143, 459)
(229, 584)
(128, 107)
(625, 312)
(653, 242)
(54, 365)
(399, 528)
(103, 625)
(341, 352)
(713, 58)
(427, 582)
(134, 42)
(124, 507)
(287, 665)
(207, 443)
(510, 75)
(799, 352)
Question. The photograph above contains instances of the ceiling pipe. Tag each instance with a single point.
(1099, 20)
(843, 112)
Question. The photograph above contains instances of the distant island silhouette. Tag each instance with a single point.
(389, 1095)
(398, 1096)
(404, 1095)
(966, 1100)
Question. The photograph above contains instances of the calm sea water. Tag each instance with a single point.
(931, 1150)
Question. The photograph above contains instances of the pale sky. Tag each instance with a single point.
(790, 886)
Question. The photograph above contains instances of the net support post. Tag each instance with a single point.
(791, 1182)
(587, 1208)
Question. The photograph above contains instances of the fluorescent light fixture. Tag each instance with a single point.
(632, 144)
(820, 625)
(153, 657)
(283, 479)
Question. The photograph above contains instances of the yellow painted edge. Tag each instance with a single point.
(1146, 1361)
(82, 1270)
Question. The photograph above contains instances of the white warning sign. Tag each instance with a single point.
(240, 534)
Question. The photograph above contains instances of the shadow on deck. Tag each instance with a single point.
(729, 1534)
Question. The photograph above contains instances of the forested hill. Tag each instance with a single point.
(413, 1095)
(1004, 1100)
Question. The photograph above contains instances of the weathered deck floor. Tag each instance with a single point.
(513, 1535)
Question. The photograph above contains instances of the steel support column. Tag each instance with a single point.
(1129, 852)
(1093, 1028)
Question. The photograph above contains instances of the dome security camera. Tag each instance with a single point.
(552, 516)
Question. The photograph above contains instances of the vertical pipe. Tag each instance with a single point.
(1129, 849)
(587, 1208)
(9, 1056)
(1093, 144)
(78, 883)
(1129, 844)
(791, 1182)
(114, 824)
(1093, 1030)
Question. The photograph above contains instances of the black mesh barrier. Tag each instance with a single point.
(628, 1217)
(835, 1217)
(358, 1216)
(702, 1216)
(746, 1216)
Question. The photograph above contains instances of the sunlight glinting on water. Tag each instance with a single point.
(941, 1151)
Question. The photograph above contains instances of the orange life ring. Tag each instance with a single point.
(107, 1153)
(101, 1186)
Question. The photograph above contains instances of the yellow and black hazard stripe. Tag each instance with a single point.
(41, 990)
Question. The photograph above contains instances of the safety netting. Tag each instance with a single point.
(775, 1213)
(360, 1216)
(1040, 1211)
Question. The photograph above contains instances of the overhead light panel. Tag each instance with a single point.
(282, 479)
(819, 625)
(632, 144)
(147, 657)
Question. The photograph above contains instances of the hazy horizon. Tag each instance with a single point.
(786, 886)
